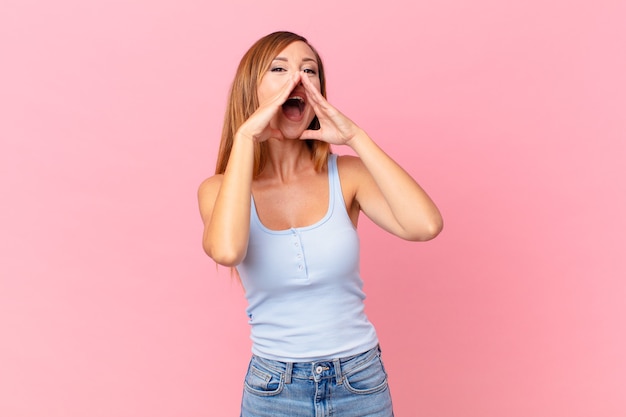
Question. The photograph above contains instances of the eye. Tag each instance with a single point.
(277, 69)
(309, 71)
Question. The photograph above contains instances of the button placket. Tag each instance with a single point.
(297, 244)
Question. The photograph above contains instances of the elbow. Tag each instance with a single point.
(224, 248)
(427, 231)
(229, 257)
(434, 229)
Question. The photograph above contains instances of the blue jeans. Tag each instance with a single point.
(349, 387)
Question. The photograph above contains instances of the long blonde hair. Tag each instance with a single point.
(243, 100)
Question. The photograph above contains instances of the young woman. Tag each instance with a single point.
(283, 210)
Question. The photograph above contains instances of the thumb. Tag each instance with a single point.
(311, 134)
(275, 133)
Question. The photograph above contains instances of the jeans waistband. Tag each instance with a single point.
(325, 368)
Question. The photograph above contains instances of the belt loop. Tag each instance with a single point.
(338, 374)
(288, 372)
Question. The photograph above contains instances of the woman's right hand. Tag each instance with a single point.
(259, 127)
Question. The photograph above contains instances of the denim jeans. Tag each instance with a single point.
(349, 387)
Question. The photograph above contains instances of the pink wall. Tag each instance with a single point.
(511, 114)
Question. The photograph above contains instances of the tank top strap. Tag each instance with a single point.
(335, 195)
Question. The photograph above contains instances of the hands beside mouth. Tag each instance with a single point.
(258, 126)
(335, 128)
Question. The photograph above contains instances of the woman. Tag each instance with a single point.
(283, 210)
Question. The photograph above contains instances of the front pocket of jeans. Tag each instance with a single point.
(369, 379)
(263, 383)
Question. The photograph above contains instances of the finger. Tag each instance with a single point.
(311, 134)
(276, 134)
(312, 92)
(321, 106)
(283, 94)
(291, 83)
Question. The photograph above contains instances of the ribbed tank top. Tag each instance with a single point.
(303, 286)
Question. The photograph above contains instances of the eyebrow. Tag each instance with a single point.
(306, 59)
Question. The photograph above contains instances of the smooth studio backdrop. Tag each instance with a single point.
(510, 114)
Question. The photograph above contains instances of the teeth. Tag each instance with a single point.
(296, 98)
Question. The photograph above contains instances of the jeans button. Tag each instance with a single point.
(319, 369)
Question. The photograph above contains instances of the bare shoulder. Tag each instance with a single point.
(350, 165)
(351, 169)
(207, 193)
(353, 175)
(210, 185)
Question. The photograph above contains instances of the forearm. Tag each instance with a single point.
(415, 214)
(226, 234)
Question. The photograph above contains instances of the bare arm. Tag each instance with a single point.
(389, 196)
(225, 207)
(225, 199)
(385, 192)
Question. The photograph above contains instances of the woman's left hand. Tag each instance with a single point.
(335, 128)
(384, 191)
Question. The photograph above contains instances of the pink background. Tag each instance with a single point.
(512, 114)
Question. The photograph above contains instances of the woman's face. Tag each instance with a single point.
(297, 113)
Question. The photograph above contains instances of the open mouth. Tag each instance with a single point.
(293, 108)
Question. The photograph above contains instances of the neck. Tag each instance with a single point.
(286, 159)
